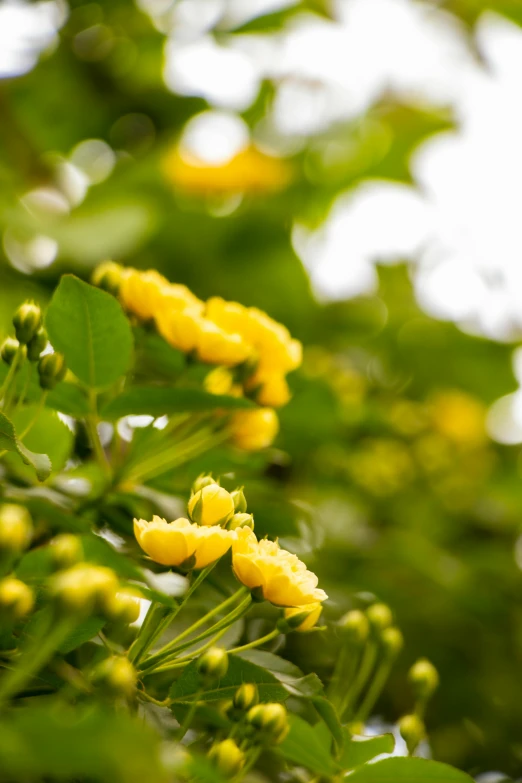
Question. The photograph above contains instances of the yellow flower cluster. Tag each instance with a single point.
(263, 566)
(216, 332)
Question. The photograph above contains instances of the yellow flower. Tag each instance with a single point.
(221, 381)
(230, 316)
(16, 598)
(249, 171)
(308, 615)
(179, 297)
(211, 505)
(275, 346)
(215, 346)
(279, 576)
(140, 292)
(180, 328)
(272, 389)
(254, 430)
(176, 543)
(460, 418)
(15, 528)
(84, 585)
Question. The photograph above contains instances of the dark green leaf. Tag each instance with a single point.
(89, 327)
(396, 770)
(9, 442)
(159, 401)
(81, 634)
(287, 673)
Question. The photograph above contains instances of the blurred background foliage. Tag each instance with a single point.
(383, 475)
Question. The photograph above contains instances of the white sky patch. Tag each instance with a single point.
(214, 137)
(26, 29)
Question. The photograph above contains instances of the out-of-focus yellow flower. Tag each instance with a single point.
(279, 576)
(271, 389)
(253, 430)
(231, 316)
(276, 349)
(250, 171)
(308, 615)
(15, 528)
(216, 346)
(84, 586)
(180, 328)
(179, 297)
(460, 418)
(221, 381)
(16, 598)
(211, 505)
(180, 542)
(140, 292)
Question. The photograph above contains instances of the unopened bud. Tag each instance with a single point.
(123, 607)
(66, 550)
(36, 345)
(116, 676)
(412, 731)
(16, 599)
(392, 641)
(302, 618)
(84, 588)
(271, 721)
(26, 321)
(355, 626)
(211, 505)
(108, 276)
(51, 369)
(202, 481)
(213, 664)
(15, 529)
(379, 616)
(246, 696)
(240, 504)
(9, 349)
(227, 757)
(241, 520)
(424, 679)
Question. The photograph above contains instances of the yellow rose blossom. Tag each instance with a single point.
(180, 328)
(211, 505)
(249, 171)
(230, 316)
(310, 615)
(221, 381)
(272, 389)
(279, 576)
(274, 344)
(179, 297)
(253, 430)
(176, 543)
(140, 292)
(215, 346)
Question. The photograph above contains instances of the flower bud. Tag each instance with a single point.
(9, 349)
(123, 607)
(392, 641)
(66, 550)
(36, 345)
(424, 679)
(26, 321)
(412, 731)
(15, 529)
(271, 721)
(302, 618)
(241, 520)
(51, 369)
(16, 599)
(202, 481)
(84, 588)
(211, 505)
(379, 616)
(246, 696)
(213, 664)
(355, 626)
(227, 757)
(240, 504)
(108, 276)
(116, 676)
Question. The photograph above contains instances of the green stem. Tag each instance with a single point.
(6, 386)
(180, 663)
(91, 422)
(172, 645)
(25, 387)
(375, 689)
(254, 755)
(187, 720)
(365, 669)
(256, 642)
(39, 408)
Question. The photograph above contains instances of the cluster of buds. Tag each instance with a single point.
(211, 504)
(376, 623)
(16, 598)
(424, 680)
(269, 722)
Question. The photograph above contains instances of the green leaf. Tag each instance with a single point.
(239, 671)
(305, 747)
(9, 442)
(68, 398)
(89, 327)
(396, 770)
(359, 750)
(48, 433)
(329, 714)
(159, 401)
(288, 674)
(81, 634)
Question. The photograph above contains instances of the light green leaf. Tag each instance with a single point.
(81, 634)
(160, 401)
(359, 750)
(411, 770)
(48, 433)
(89, 327)
(307, 747)
(9, 442)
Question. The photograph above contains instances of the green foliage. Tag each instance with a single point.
(40, 463)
